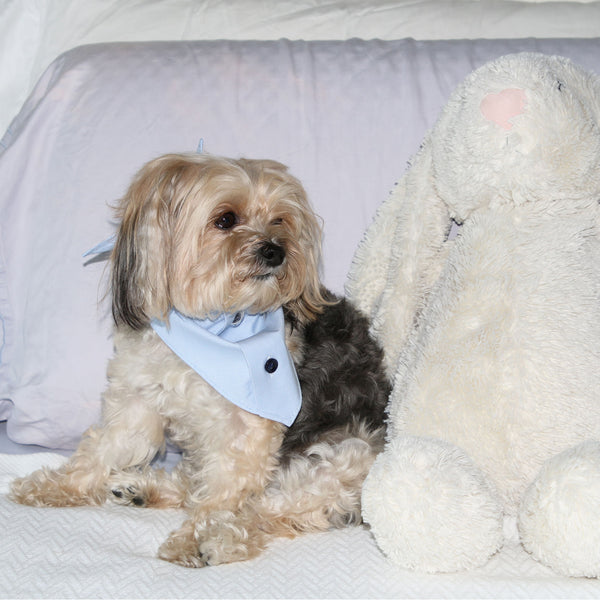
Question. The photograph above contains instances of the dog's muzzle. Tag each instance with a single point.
(271, 255)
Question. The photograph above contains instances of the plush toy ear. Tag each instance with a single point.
(400, 258)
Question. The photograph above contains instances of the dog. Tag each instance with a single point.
(212, 241)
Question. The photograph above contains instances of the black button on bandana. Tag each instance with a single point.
(271, 365)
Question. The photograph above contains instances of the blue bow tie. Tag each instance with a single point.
(242, 356)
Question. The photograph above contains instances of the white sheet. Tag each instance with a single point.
(109, 552)
(35, 32)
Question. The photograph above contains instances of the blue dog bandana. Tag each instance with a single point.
(106, 246)
(242, 356)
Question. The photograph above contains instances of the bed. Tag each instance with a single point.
(341, 92)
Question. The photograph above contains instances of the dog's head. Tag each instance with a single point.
(207, 235)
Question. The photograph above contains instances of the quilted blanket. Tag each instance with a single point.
(109, 552)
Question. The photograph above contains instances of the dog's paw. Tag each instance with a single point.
(128, 495)
(221, 537)
(181, 548)
(54, 488)
(149, 488)
(224, 537)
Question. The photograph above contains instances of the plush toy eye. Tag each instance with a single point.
(226, 220)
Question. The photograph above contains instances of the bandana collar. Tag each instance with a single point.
(242, 356)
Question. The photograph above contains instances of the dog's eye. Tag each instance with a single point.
(278, 221)
(226, 220)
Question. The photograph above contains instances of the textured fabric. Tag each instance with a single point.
(110, 552)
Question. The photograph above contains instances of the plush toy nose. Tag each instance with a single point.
(503, 106)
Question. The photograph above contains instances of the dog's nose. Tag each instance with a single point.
(271, 254)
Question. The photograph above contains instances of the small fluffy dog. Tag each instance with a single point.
(201, 237)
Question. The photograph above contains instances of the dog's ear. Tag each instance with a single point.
(400, 258)
(140, 257)
(314, 296)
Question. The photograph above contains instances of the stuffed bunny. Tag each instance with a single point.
(492, 338)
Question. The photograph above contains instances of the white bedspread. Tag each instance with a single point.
(109, 552)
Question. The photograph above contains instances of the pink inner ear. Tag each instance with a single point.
(503, 106)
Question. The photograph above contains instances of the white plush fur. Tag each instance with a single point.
(443, 495)
(492, 338)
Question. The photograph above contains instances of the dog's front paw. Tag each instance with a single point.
(147, 487)
(220, 537)
(33, 490)
(225, 537)
(181, 547)
(128, 495)
(47, 487)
